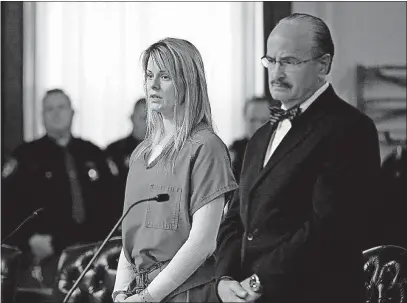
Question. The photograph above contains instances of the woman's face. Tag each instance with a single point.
(160, 89)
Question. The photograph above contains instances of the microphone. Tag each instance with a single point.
(161, 198)
(158, 198)
(33, 215)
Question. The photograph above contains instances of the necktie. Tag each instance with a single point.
(78, 209)
(277, 114)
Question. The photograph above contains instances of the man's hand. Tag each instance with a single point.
(41, 246)
(252, 296)
(231, 291)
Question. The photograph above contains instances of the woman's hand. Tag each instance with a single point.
(120, 298)
(134, 298)
(143, 296)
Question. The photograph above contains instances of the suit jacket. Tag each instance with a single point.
(237, 150)
(298, 222)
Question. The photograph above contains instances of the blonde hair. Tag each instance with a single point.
(185, 66)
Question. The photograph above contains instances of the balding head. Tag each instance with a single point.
(299, 63)
(319, 31)
(293, 37)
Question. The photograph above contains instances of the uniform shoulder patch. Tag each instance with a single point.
(9, 168)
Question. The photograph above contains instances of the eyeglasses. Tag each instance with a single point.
(286, 63)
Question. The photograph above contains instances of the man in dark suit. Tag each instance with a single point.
(293, 231)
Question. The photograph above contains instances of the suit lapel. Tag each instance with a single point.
(300, 130)
(253, 163)
(261, 147)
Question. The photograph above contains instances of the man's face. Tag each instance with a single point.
(296, 83)
(257, 113)
(138, 119)
(57, 113)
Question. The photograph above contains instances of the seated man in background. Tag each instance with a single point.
(66, 176)
(256, 113)
(118, 153)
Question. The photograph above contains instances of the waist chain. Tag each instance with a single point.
(144, 277)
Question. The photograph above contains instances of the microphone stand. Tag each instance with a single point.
(33, 215)
(158, 198)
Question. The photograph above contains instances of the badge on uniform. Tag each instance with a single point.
(112, 166)
(93, 173)
(9, 168)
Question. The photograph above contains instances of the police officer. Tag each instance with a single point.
(118, 153)
(256, 113)
(66, 176)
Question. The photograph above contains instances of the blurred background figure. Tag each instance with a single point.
(256, 113)
(393, 212)
(66, 176)
(118, 153)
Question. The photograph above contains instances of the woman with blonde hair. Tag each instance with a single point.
(168, 247)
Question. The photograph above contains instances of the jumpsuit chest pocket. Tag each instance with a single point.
(164, 215)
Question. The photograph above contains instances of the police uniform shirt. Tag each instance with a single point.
(118, 157)
(119, 152)
(36, 176)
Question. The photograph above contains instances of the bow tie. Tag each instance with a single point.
(277, 114)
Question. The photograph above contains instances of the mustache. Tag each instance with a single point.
(280, 83)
